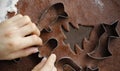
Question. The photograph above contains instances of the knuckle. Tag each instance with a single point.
(38, 32)
(37, 39)
(13, 44)
(27, 18)
(40, 41)
(32, 26)
(35, 29)
(34, 38)
(19, 15)
(9, 33)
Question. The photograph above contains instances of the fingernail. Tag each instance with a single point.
(35, 50)
(53, 55)
(44, 58)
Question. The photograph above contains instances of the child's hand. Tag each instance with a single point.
(46, 64)
(14, 39)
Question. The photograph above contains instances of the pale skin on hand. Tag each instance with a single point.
(46, 64)
(15, 42)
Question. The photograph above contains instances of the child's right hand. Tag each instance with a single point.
(14, 42)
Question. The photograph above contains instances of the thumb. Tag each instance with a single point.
(40, 65)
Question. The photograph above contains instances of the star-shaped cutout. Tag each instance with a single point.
(108, 32)
(111, 29)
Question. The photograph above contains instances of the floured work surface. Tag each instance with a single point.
(84, 34)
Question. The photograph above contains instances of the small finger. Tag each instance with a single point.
(40, 65)
(23, 53)
(29, 29)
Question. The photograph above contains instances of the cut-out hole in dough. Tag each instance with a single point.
(70, 64)
(49, 46)
(67, 67)
(76, 36)
(102, 49)
(47, 19)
